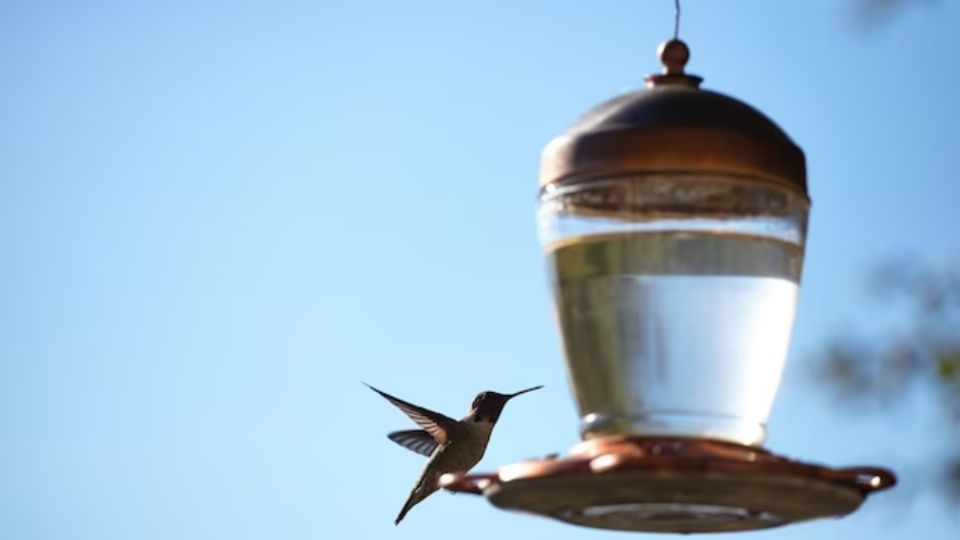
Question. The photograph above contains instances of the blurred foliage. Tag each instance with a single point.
(874, 12)
(919, 349)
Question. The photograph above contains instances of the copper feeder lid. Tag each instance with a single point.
(674, 485)
(674, 127)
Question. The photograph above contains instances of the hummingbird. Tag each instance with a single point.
(452, 445)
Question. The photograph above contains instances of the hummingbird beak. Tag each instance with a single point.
(515, 394)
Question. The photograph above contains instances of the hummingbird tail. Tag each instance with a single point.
(419, 493)
(411, 502)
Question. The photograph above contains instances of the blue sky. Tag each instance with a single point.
(217, 218)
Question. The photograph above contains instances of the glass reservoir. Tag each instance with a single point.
(675, 296)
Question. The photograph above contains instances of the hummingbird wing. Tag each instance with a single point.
(438, 426)
(416, 440)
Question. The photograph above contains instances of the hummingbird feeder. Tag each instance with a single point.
(673, 220)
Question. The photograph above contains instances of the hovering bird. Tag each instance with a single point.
(451, 445)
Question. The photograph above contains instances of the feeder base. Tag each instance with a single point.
(674, 485)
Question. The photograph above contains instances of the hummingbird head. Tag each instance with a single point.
(488, 405)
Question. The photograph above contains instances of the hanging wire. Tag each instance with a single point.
(676, 20)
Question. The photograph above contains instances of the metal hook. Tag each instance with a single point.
(676, 20)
